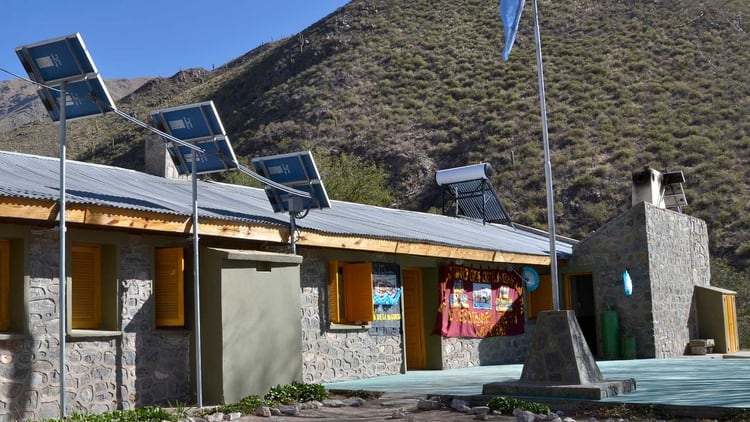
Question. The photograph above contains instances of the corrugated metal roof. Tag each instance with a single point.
(34, 177)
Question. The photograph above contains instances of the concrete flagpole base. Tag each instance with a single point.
(560, 364)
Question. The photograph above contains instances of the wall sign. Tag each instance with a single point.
(386, 298)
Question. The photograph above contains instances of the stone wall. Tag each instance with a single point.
(467, 352)
(666, 255)
(679, 261)
(136, 367)
(618, 245)
(338, 354)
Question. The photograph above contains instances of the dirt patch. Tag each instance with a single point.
(395, 406)
(388, 407)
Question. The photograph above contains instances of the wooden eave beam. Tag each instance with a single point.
(143, 220)
(307, 238)
(41, 210)
(117, 217)
(28, 208)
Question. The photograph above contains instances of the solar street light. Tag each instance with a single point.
(70, 88)
(205, 148)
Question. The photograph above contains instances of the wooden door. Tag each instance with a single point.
(414, 335)
(731, 324)
(541, 298)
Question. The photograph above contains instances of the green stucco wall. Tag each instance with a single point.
(251, 331)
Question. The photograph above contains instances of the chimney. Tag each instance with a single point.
(647, 186)
(661, 189)
(157, 161)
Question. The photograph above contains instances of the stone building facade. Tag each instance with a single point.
(666, 254)
(140, 365)
(134, 366)
(123, 224)
(344, 353)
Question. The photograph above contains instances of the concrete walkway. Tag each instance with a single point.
(710, 381)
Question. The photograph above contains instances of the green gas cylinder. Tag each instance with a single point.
(610, 334)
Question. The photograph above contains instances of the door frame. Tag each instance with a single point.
(594, 329)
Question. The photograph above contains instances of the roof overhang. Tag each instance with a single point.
(112, 217)
(400, 247)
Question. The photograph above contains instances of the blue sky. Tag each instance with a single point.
(132, 38)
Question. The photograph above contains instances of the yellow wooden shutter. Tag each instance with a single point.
(4, 285)
(333, 291)
(358, 304)
(169, 290)
(86, 289)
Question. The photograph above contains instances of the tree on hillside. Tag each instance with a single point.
(349, 178)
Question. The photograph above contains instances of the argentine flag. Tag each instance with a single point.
(510, 13)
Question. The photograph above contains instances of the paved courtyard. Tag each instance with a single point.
(706, 381)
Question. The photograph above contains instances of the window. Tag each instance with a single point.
(541, 298)
(169, 287)
(350, 292)
(93, 287)
(4, 285)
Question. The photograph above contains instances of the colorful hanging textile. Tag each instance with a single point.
(479, 303)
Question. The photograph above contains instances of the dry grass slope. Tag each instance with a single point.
(418, 86)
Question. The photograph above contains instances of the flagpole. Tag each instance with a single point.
(547, 165)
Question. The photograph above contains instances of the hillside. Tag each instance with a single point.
(418, 86)
(19, 102)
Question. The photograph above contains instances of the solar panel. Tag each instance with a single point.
(191, 122)
(198, 125)
(218, 156)
(470, 189)
(477, 199)
(673, 192)
(65, 60)
(59, 59)
(296, 170)
(84, 98)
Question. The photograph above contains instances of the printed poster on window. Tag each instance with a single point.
(479, 303)
(386, 298)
